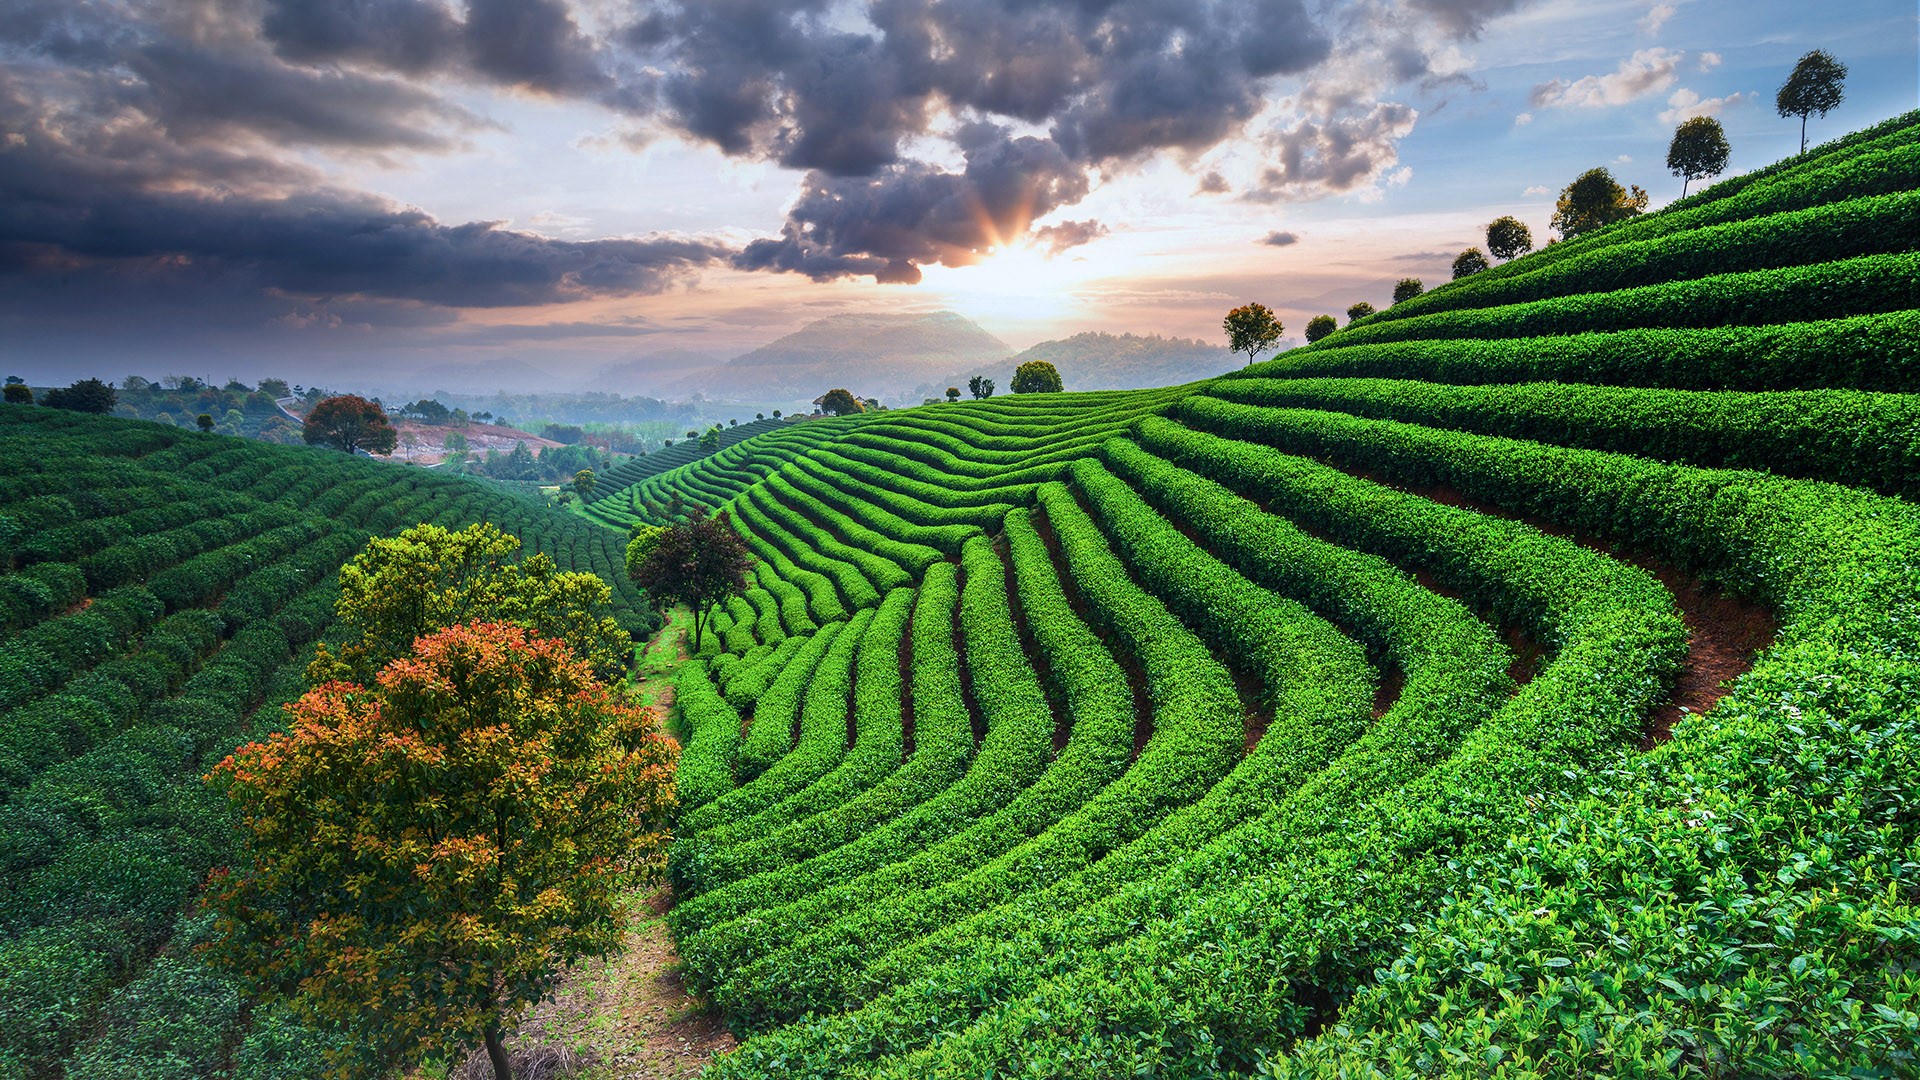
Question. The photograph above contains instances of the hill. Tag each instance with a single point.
(883, 356)
(1099, 361)
(1518, 680)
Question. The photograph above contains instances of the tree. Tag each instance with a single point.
(711, 440)
(87, 395)
(776, 414)
(953, 393)
(19, 393)
(1251, 329)
(275, 388)
(1036, 377)
(1816, 85)
(426, 854)
(732, 422)
(1320, 326)
(204, 422)
(429, 578)
(700, 563)
(840, 402)
(1469, 263)
(1407, 288)
(456, 446)
(1358, 311)
(1594, 199)
(1699, 150)
(759, 416)
(1508, 238)
(583, 482)
(640, 544)
(349, 422)
(980, 387)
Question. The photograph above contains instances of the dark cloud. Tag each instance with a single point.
(534, 45)
(1313, 159)
(411, 36)
(1212, 184)
(1278, 238)
(1465, 18)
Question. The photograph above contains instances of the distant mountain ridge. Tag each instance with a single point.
(874, 355)
(1101, 361)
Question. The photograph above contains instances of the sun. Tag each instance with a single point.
(1020, 283)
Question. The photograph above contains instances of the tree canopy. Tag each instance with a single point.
(840, 402)
(1251, 329)
(87, 395)
(1508, 237)
(1699, 149)
(1595, 199)
(423, 856)
(1407, 288)
(350, 422)
(1818, 83)
(1469, 262)
(1320, 326)
(980, 387)
(428, 578)
(1036, 377)
(700, 563)
(1358, 311)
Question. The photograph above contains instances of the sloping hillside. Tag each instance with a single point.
(1095, 361)
(874, 355)
(1361, 713)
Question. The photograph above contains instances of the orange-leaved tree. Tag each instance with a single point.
(423, 856)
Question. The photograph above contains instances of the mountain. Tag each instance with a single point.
(1095, 361)
(883, 356)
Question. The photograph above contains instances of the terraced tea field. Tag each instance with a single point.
(1362, 712)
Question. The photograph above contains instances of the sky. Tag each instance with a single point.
(354, 192)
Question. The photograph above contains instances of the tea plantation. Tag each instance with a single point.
(1354, 714)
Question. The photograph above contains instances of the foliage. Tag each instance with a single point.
(204, 422)
(425, 855)
(1358, 311)
(710, 440)
(19, 393)
(1816, 85)
(841, 402)
(1320, 326)
(1036, 377)
(1508, 238)
(1699, 149)
(1469, 262)
(699, 563)
(583, 483)
(350, 423)
(1407, 288)
(1251, 329)
(428, 578)
(1595, 199)
(87, 396)
(953, 393)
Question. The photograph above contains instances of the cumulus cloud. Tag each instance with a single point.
(1685, 104)
(1537, 189)
(1655, 18)
(1709, 61)
(1314, 159)
(1647, 71)
(1278, 238)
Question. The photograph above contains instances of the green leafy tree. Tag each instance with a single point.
(1251, 329)
(583, 483)
(1699, 149)
(700, 563)
(1595, 199)
(349, 422)
(953, 393)
(640, 544)
(711, 440)
(204, 422)
(1818, 83)
(1468, 263)
(840, 402)
(19, 393)
(980, 387)
(1508, 238)
(428, 578)
(1407, 288)
(457, 447)
(424, 855)
(275, 388)
(776, 414)
(1358, 311)
(87, 395)
(1036, 377)
(1320, 326)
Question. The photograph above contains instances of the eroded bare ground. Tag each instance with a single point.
(623, 1018)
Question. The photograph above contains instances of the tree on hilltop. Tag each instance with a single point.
(1358, 311)
(584, 482)
(1252, 329)
(840, 402)
(1595, 199)
(349, 422)
(1818, 83)
(87, 395)
(1320, 326)
(1469, 263)
(1407, 288)
(1699, 149)
(424, 855)
(1036, 377)
(980, 387)
(18, 393)
(953, 393)
(1508, 237)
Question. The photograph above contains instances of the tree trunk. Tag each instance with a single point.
(497, 1053)
(1803, 133)
(696, 630)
